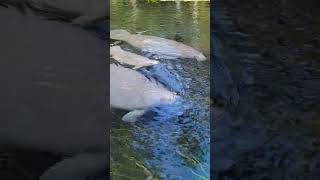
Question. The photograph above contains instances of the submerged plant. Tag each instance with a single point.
(152, 1)
(126, 163)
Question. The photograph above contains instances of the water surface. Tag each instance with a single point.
(169, 142)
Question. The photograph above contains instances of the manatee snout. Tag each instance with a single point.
(155, 62)
(119, 34)
(200, 57)
(170, 97)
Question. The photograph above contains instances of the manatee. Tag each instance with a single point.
(132, 91)
(87, 10)
(156, 45)
(125, 57)
(53, 93)
(169, 77)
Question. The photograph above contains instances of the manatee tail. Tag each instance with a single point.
(133, 116)
(200, 57)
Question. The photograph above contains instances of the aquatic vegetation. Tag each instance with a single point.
(126, 162)
(152, 1)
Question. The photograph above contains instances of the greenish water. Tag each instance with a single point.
(168, 142)
(185, 21)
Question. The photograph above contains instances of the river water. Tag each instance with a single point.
(266, 75)
(168, 142)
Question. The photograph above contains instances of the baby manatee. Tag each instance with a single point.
(125, 57)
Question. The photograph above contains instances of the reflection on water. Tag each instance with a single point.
(169, 142)
(174, 20)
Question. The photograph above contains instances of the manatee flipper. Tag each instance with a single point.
(137, 67)
(133, 116)
(116, 43)
(79, 167)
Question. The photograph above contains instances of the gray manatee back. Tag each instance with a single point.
(130, 90)
(165, 48)
(53, 90)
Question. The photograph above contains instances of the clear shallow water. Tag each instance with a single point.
(169, 142)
